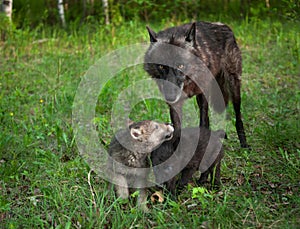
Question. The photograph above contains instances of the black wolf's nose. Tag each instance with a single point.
(170, 124)
(169, 136)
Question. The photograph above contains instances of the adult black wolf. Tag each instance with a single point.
(176, 70)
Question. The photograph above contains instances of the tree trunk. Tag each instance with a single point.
(106, 12)
(88, 8)
(62, 12)
(84, 13)
(6, 7)
(91, 2)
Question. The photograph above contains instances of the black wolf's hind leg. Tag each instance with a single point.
(233, 72)
(236, 100)
(203, 106)
(215, 176)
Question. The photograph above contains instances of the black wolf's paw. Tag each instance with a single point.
(246, 146)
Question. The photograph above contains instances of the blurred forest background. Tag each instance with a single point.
(72, 13)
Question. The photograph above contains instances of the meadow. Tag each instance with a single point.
(45, 183)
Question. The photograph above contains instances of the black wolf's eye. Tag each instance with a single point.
(163, 69)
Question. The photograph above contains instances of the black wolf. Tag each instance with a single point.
(199, 149)
(131, 147)
(176, 72)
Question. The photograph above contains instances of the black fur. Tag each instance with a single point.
(212, 45)
(198, 149)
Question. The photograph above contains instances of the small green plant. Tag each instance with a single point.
(202, 195)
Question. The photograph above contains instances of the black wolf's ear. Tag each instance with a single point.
(152, 34)
(190, 36)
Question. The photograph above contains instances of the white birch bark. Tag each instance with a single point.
(61, 12)
(106, 12)
(6, 7)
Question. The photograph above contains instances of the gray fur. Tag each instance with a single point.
(131, 147)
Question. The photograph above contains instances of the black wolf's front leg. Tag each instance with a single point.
(176, 117)
(203, 106)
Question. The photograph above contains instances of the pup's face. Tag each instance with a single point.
(150, 133)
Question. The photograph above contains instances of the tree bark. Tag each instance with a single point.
(61, 12)
(6, 7)
(106, 12)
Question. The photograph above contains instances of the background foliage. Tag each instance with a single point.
(33, 12)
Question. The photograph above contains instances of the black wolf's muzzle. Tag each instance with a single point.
(170, 91)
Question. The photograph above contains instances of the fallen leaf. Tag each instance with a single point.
(241, 179)
(2, 217)
(157, 196)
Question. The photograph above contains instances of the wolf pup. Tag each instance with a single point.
(214, 45)
(198, 149)
(131, 148)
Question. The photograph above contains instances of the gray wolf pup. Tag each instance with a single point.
(198, 149)
(131, 147)
(214, 45)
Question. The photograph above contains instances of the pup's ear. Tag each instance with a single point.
(136, 133)
(190, 36)
(129, 122)
(152, 34)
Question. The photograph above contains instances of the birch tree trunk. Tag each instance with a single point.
(106, 12)
(62, 12)
(6, 7)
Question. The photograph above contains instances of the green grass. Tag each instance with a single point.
(45, 183)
